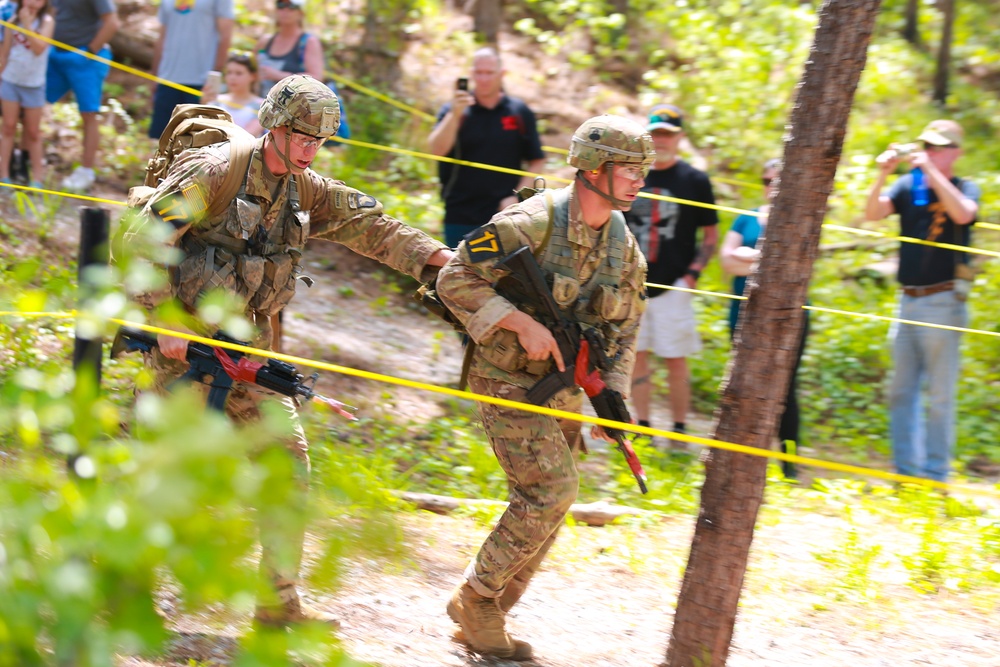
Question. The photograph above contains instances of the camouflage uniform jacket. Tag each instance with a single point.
(467, 286)
(253, 248)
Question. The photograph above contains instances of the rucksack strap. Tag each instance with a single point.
(240, 150)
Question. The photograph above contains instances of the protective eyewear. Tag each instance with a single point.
(767, 181)
(305, 141)
(632, 172)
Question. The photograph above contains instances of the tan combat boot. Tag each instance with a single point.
(293, 612)
(482, 625)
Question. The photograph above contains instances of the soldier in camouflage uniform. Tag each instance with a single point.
(581, 241)
(252, 251)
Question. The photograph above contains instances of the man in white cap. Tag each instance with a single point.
(933, 205)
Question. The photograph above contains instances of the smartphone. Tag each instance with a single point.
(213, 85)
(462, 84)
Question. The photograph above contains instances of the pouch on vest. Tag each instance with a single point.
(278, 285)
(212, 268)
(504, 351)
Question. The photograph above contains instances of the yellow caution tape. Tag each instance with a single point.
(527, 407)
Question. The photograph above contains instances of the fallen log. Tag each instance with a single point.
(598, 513)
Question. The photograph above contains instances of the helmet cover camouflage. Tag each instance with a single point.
(302, 103)
(610, 138)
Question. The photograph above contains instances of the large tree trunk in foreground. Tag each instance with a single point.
(772, 321)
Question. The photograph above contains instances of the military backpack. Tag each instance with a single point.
(195, 126)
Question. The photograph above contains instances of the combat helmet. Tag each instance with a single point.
(608, 138)
(302, 103)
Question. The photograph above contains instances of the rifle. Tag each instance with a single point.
(583, 355)
(219, 368)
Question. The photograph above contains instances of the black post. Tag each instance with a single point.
(94, 230)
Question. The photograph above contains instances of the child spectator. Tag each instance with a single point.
(23, 61)
(240, 100)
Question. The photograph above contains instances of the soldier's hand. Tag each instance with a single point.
(534, 337)
(598, 433)
(172, 347)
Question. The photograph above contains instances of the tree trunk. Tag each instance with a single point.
(761, 366)
(382, 41)
(911, 28)
(944, 53)
(486, 18)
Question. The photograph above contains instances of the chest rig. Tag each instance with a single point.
(239, 253)
(595, 303)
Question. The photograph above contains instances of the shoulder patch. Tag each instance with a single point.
(180, 209)
(483, 244)
(358, 200)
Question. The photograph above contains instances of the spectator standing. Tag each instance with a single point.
(290, 49)
(194, 39)
(490, 127)
(88, 25)
(668, 235)
(23, 61)
(240, 98)
(933, 205)
(739, 255)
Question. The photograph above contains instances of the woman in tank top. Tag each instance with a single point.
(290, 50)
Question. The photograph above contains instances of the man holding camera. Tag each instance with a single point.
(933, 205)
(486, 126)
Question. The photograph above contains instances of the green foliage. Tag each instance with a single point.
(850, 565)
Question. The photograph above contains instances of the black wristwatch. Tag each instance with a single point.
(694, 272)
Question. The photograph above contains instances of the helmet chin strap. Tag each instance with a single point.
(617, 204)
(288, 148)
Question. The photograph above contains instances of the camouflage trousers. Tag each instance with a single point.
(537, 453)
(281, 523)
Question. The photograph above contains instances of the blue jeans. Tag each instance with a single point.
(925, 356)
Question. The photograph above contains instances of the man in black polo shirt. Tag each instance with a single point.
(489, 127)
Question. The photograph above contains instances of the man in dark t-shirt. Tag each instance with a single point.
(668, 232)
(489, 127)
(933, 205)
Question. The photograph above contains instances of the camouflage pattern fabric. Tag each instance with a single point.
(303, 103)
(466, 283)
(281, 523)
(536, 452)
(331, 211)
(610, 138)
(264, 216)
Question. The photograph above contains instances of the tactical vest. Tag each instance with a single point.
(595, 304)
(235, 252)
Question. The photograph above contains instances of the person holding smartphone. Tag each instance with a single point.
(487, 126)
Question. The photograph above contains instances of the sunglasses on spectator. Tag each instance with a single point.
(767, 181)
(287, 5)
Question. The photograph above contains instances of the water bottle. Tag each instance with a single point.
(919, 191)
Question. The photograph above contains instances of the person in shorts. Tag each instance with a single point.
(88, 25)
(23, 59)
(668, 236)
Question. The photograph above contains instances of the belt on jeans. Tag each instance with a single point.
(927, 290)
